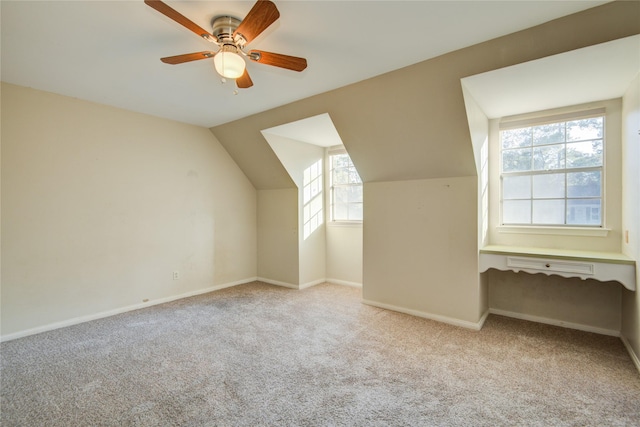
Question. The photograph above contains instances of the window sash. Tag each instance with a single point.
(350, 209)
(544, 207)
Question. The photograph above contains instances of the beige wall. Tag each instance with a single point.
(344, 254)
(631, 210)
(580, 304)
(420, 248)
(101, 205)
(296, 157)
(479, 131)
(278, 236)
(313, 252)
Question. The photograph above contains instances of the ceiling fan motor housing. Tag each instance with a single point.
(223, 28)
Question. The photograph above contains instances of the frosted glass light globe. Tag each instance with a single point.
(229, 65)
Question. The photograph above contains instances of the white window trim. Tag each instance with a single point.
(345, 223)
(555, 230)
(539, 118)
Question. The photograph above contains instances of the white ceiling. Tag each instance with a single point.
(317, 130)
(594, 73)
(108, 51)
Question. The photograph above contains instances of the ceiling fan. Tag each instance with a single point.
(231, 35)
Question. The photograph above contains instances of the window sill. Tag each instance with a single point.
(558, 231)
(344, 223)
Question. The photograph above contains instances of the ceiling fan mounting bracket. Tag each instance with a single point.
(223, 28)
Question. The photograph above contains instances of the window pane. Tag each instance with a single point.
(516, 187)
(548, 211)
(514, 138)
(354, 178)
(584, 184)
(340, 161)
(340, 212)
(546, 158)
(340, 176)
(355, 193)
(516, 212)
(578, 130)
(584, 212)
(549, 186)
(355, 212)
(584, 154)
(346, 189)
(341, 194)
(516, 160)
(548, 134)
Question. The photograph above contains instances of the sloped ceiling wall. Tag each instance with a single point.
(411, 123)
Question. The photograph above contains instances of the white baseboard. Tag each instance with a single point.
(555, 322)
(437, 317)
(309, 284)
(277, 283)
(344, 283)
(483, 319)
(108, 313)
(632, 354)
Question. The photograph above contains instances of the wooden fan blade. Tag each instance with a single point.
(244, 81)
(180, 19)
(261, 15)
(187, 57)
(278, 60)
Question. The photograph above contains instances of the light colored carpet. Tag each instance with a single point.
(257, 355)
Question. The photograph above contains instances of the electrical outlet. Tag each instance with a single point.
(176, 275)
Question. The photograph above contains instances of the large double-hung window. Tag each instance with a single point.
(552, 171)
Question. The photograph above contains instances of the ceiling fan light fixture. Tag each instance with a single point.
(228, 63)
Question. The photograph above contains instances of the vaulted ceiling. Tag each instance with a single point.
(109, 51)
(387, 72)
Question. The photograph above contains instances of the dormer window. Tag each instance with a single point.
(552, 171)
(346, 188)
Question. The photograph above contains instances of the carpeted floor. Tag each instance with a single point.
(256, 355)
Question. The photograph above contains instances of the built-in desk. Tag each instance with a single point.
(602, 266)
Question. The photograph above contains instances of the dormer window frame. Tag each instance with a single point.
(347, 187)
